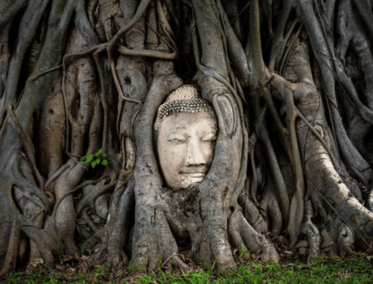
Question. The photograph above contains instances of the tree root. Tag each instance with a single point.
(4, 60)
(245, 238)
(120, 232)
(27, 30)
(354, 161)
(270, 204)
(253, 215)
(10, 11)
(11, 250)
(89, 199)
(312, 233)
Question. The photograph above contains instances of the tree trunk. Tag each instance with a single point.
(81, 83)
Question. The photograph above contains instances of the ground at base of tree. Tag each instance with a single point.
(357, 268)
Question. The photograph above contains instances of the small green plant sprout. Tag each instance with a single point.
(98, 158)
(59, 250)
(242, 250)
(82, 249)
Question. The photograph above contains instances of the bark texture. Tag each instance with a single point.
(291, 86)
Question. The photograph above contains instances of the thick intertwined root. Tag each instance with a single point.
(333, 193)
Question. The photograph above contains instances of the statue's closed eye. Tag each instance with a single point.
(209, 138)
(177, 139)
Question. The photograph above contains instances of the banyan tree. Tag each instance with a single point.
(137, 129)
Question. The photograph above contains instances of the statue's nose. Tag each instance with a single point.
(194, 155)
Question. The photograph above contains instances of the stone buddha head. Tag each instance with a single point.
(185, 131)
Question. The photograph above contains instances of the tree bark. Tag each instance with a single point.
(80, 86)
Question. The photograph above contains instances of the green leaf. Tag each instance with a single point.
(104, 162)
(196, 275)
(99, 151)
(89, 158)
(98, 161)
(93, 164)
(97, 154)
(104, 155)
(83, 158)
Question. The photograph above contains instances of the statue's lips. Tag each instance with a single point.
(196, 173)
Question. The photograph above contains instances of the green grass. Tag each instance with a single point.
(353, 270)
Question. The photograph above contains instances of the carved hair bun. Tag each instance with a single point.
(183, 99)
(185, 92)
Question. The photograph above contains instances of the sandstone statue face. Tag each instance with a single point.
(185, 145)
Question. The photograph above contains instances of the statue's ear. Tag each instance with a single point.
(227, 116)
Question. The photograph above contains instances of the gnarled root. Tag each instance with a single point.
(312, 234)
(245, 238)
(19, 195)
(65, 213)
(253, 214)
(120, 233)
(270, 204)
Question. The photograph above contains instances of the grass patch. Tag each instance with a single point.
(358, 269)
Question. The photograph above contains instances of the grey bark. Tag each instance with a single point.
(294, 138)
